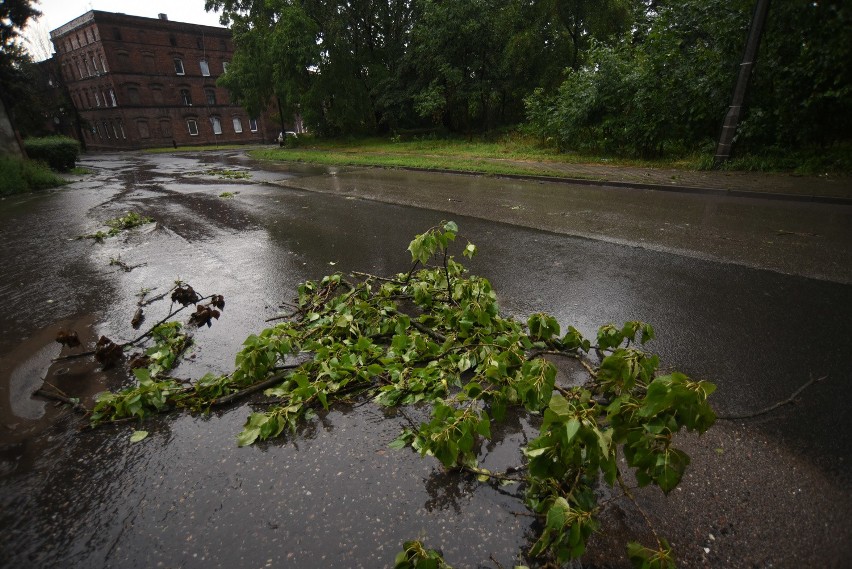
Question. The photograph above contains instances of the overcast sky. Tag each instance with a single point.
(58, 12)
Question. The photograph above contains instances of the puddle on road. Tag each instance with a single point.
(31, 366)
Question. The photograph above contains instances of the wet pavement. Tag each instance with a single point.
(751, 294)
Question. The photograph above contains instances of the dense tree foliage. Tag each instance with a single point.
(668, 83)
(635, 77)
(14, 15)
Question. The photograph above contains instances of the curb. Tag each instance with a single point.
(836, 200)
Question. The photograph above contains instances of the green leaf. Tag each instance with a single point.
(560, 406)
(248, 436)
(138, 436)
(571, 429)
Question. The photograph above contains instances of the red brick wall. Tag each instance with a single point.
(150, 111)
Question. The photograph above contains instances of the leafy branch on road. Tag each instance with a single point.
(434, 336)
(128, 221)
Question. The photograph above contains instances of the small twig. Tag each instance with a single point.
(497, 563)
(283, 316)
(73, 356)
(632, 498)
(497, 475)
(429, 331)
(376, 277)
(791, 399)
(163, 321)
(153, 299)
(75, 405)
(254, 388)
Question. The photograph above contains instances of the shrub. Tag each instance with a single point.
(60, 152)
(18, 176)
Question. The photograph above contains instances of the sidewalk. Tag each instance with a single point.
(830, 189)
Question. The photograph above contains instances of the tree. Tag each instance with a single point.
(14, 15)
(801, 92)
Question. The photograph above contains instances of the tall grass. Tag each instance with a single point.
(17, 176)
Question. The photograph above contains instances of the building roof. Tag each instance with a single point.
(136, 21)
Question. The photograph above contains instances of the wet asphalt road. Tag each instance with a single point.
(757, 318)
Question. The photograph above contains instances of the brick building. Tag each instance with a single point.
(150, 82)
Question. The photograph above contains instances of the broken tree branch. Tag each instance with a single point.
(773, 407)
(75, 405)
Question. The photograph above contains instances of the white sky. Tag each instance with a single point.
(58, 12)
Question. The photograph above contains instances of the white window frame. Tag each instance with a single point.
(179, 64)
(253, 125)
(217, 125)
(225, 66)
(192, 124)
(205, 67)
(238, 125)
(112, 97)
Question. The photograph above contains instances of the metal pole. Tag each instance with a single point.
(732, 119)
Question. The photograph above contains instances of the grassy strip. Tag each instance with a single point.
(449, 163)
(505, 154)
(18, 176)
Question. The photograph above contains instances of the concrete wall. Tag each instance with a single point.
(9, 143)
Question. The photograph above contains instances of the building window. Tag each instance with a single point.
(133, 95)
(205, 69)
(112, 98)
(89, 71)
(192, 126)
(185, 97)
(121, 129)
(95, 65)
(211, 96)
(148, 62)
(103, 64)
(199, 43)
(106, 129)
(88, 101)
(253, 125)
(217, 125)
(165, 128)
(142, 127)
(97, 98)
(179, 66)
(157, 95)
(80, 69)
(238, 125)
(114, 130)
(124, 61)
(224, 67)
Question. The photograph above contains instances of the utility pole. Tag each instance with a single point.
(732, 119)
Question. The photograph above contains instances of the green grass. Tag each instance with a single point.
(512, 154)
(18, 176)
